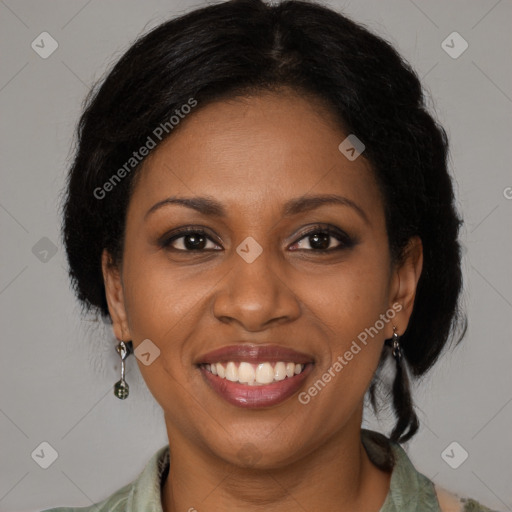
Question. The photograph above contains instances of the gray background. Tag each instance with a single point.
(57, 368)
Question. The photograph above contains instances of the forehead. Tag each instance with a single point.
(252, 152)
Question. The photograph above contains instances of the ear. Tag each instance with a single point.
(406, 275)
(115, 296)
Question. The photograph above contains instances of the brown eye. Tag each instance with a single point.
(188, 240)
(325, 239)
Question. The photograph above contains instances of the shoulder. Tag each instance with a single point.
(135, 496)
(408, 485)
(114, 503)
(451, 502)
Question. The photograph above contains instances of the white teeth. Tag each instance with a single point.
(280, 371)
(231, 372)
(246, 373)
(255, 374)
(264, 373)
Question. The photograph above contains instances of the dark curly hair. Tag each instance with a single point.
(243, 47)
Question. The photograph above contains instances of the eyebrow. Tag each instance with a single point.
(210, 207)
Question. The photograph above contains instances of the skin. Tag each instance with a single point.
(252, 155)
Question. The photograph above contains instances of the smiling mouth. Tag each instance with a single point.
(262, 389)
(250, 375)
(254, 374)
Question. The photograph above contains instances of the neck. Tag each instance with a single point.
(338, 475)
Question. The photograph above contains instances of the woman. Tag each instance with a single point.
(260, 203)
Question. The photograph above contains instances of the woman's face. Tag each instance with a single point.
(256, 278)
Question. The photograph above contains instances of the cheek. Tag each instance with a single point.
(348, 316)
(162, 305)
(158, 297)
(347, 305)
(349, 298)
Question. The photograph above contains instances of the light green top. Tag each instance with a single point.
(410, 491)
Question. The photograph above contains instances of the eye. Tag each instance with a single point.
(321, 239)
(188, 240)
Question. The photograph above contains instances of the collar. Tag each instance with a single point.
(409, 489)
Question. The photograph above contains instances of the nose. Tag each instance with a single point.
(256, 294)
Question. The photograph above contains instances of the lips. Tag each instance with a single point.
(240, 386)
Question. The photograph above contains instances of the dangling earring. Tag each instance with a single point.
(397, 349)
(121, 388)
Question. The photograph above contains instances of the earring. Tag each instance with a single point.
(121, 388)
(397, 349)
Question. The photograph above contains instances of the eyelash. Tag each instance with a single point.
(345, 240)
